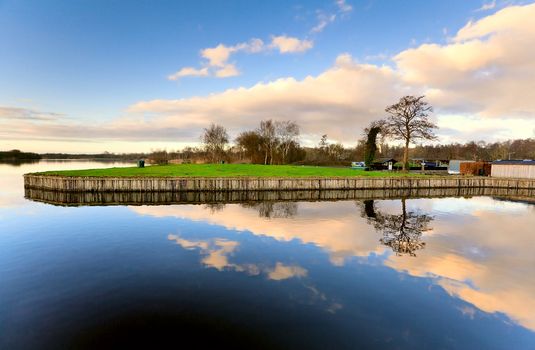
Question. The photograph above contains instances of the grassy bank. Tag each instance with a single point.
(226, 170)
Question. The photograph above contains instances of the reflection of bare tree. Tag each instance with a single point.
(402, 233)
(274, 209)
(214, 207)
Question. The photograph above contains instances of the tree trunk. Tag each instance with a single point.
(285, 149)
(406, 157)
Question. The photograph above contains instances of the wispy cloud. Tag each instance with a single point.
(487, 6)
(324, 18)
(27, 114)
(343, 6)
(189, 72)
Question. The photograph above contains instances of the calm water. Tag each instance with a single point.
(450, 273)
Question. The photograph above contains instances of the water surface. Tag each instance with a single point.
(444, 273)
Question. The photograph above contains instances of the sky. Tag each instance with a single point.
(90, 76)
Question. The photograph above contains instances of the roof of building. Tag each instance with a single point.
(515, 162)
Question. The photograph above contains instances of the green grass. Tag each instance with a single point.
(226, 170)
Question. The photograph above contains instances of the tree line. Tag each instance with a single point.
(277, 142)
(15, 154)
(273, 142)
(327, 152)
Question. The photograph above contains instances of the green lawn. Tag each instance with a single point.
(225, 170)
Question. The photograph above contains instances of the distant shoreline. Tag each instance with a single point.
(18, 156)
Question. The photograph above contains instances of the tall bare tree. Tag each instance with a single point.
(287, 133)
(409, 121)
(335, 151)
(215, 138)
(269, 139)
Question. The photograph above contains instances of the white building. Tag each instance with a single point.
(524, 169)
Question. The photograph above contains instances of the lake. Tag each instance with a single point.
(407, 273)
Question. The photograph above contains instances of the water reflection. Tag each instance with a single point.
(19, 162)
(402, 232)
(216, 253)
(274, 209)
(13, 193)
(467, 252)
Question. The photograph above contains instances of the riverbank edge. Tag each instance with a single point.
(193, 184)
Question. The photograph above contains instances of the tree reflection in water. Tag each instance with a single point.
(403, 232)
(214, 207)
(274, 209)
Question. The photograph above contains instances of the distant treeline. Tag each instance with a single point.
(252, 147)
(100, 156)
(249, 149)
(16, 155)
(481, 150)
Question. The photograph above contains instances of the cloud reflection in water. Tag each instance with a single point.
(216, 254)
(480, 252)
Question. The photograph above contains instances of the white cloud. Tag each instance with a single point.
(487, 6)
(343, 6)
(454, 127)
(254, 45)
(287, 44)
(219, 55)
(189, 72)
(488, 69)
(228, 70)
(323, 20)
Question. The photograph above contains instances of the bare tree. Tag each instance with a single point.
(323, 148)
(335, 151)
(215, 138)
(322, 145)
(409, 121)
(287, 133)
(269, 139)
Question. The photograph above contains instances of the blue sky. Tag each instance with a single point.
(82, 64)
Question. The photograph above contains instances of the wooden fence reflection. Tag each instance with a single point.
(75, 198)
